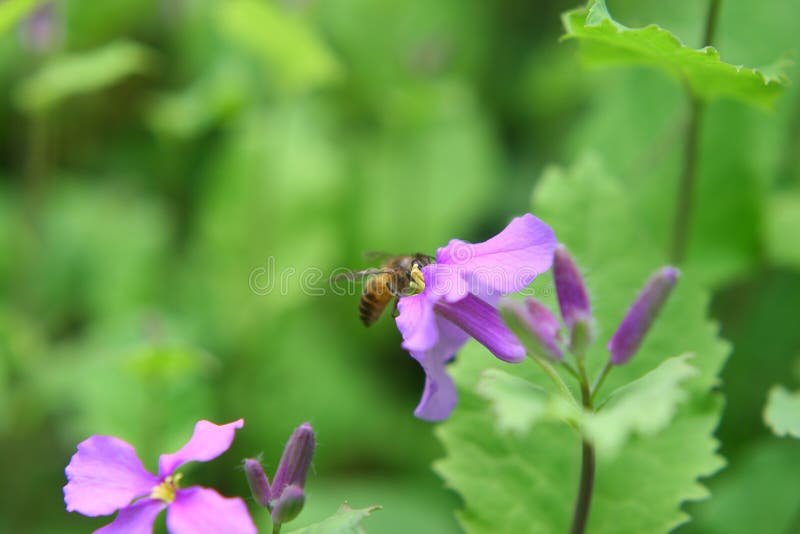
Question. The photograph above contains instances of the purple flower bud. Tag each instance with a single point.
(288, 505)
(296, 459)
(641, 314)
(535, 325)
(572, 296)
(258, 481)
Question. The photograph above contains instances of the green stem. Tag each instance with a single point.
(553, 374)
(685, 201)
(276, 528)
(584, 500)
(600, 379)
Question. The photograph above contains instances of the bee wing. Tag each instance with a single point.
(377, 255)
(357, 275)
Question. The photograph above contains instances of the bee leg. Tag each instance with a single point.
(395, 311)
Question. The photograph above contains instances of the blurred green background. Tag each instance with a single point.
(154, 155)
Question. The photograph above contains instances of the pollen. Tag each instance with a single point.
(417, 284)
(166, 490)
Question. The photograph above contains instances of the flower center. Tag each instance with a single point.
(417, 283)
(166, 490)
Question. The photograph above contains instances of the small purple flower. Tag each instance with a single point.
(285, 498)
(458, 302)
(106, 475)
(641, 314)
(573, 299)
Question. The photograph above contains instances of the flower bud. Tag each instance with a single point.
(288, 505)
(572, 296)
(640, 316)
(534, 324)
(581, 336)
(296, 458)
(258, 481)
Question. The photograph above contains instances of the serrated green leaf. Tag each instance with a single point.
(293, 55)
(644, 407)
(782, 412)
(528, 483)
(345, 521)
(81, 73)
(519, 404)
(605, 41)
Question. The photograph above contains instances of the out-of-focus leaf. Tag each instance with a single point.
(605, 41)
(519, 404)
(294, 56)
(782, 221)
(345, 521)
(782, 412)
(643, 488)
(755, 494)
(643, 407)
(215, 97)
(12, 11)
(81, 73)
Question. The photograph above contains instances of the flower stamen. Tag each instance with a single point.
(166, 490)
(417, 283)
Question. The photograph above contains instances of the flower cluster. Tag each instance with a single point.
(459, 301)
(542, 329)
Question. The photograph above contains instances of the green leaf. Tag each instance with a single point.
(291, 51)
(528, 483)
(782, 412)
(782, 221)
(645, 407)
(519, 404)
(81, 73)
(12, 11)
(345, 521)
(605, 41)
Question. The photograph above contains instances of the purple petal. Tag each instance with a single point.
(417, 323)
(439, 397)
(104, 476)
(207, 442)
(640, 316)
(504, 264)
(482, 321)
(204, 510)
(137, 518)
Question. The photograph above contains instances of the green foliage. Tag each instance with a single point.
(13, 11)
(605, 41)
(82, 73)
(643, 407)
(751, 495)
(782, 221)
(641, 489)
(782, 412)
(293, 56)
(345, 521)
(519, 404)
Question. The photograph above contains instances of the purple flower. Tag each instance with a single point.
(106, 475)
(641, 314)
(458, 302)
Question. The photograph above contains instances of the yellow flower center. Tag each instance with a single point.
(417, 284)
(166, 490)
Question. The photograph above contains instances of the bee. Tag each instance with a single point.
(398, 276)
